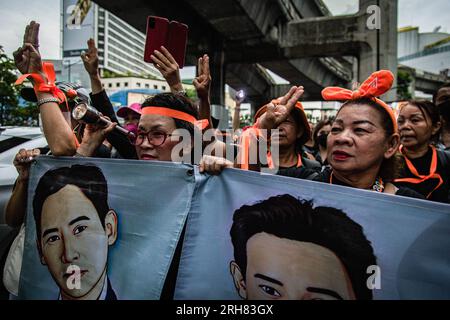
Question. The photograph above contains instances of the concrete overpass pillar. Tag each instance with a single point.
(382, 52)
(218, 69)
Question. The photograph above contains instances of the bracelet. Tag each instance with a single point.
(182, 92)
(47, 100)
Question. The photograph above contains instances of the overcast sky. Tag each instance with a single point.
(16, 14)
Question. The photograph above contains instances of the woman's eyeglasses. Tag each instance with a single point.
(155, 138)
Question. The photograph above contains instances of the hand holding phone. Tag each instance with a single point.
(171, 35)
(166, 64)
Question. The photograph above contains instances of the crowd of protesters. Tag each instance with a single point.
(366, 146)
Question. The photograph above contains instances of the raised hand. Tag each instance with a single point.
(27, 58)
(168, 67)
(90, 58)
(277, 113)
(202, 82)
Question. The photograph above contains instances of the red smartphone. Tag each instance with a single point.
(177, 41)
(173, 36)
(157, 31)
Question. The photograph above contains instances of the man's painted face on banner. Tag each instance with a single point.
(72, 234)
(283, 269)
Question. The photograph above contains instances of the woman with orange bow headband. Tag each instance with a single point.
(426, 169)
(363, 141)
(364, 138)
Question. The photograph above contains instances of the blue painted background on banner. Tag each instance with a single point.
(154, 200)
(410, 237)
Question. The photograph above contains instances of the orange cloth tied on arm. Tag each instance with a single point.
(376, 85)
(180, 115)
(46, 84)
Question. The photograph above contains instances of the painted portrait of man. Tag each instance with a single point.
(75, 227)
(284, 249)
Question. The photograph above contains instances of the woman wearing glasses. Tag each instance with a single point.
(159, 127)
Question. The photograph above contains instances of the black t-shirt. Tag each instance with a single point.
(426, 187)
(325, 175)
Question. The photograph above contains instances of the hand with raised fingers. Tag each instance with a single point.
(90, 58)
(27, 58)
(214, 165)
(278, 112)
(23, 160)
(202, 82)
(168, 67)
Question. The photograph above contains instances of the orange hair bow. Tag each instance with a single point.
(376, 85)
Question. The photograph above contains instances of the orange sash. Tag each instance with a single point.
(421, 178)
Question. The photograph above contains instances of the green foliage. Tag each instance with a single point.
(110, 74)
(10, 111)
(245, 120)
(192, 94)
(404, 80)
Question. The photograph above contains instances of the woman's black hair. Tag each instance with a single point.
(177, 102)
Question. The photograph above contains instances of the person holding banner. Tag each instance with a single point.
(363, 142)
(284, 249)
(364, 139)
(426, 169)
(60, 138)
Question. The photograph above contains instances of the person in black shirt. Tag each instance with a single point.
(426, 169)
(364, 140)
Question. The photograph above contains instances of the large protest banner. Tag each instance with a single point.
(290, 238)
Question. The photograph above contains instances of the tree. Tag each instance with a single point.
(11, 113)
(245, 120)
(8, 92)
(404, 80)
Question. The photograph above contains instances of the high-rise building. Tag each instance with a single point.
(429, 51)
(120, 46)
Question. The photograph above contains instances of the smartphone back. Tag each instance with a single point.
(177, 41)
(157, 34)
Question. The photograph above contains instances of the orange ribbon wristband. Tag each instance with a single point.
(45, 84)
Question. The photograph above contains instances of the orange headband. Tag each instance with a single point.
(180, 115)
(376, 85)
